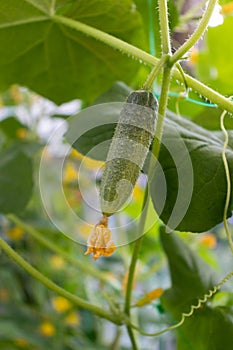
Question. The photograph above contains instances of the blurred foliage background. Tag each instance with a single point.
(172, 273)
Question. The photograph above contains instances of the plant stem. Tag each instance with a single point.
(52, 246)
(164, 27)
(228, 180)
(135, 52)
(203, 90)
(136, 249)
(54, 287)
(161, 115)
(107, 39)
(196, 35)
(153, 74)
(132, 338)
(155, 150)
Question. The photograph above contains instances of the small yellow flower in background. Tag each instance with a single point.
(85, 230)
(57, 262)
(72, 319)
(227, 8)
(89, 162)
(15, 233)
(22, 133)
(149, 297)
(47, 329)
(70, 173)
(208, 240)
(16, 94)
(193, 55)
(138, 193)
(61, 304)
(4, 294)
(21, 342)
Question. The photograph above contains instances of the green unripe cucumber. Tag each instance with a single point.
(128, 150)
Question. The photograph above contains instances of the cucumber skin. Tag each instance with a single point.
(128, 150)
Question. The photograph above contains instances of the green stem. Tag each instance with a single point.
(212, 95)
(107, 39)
(228, 179)
(155, 150)
(54, 287)
(53, 247)
(164, 27)
(196, 35)
(139, 54)
(161, 115)
(132, 338)
(136, 249)
(150, 80)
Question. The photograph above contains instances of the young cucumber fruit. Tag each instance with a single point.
(128, 150)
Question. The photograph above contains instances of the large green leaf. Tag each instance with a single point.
(191, 161)
(16, 182)
(61, 63)
(189, 188)
(208, 328)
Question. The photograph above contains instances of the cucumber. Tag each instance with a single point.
(128, 150)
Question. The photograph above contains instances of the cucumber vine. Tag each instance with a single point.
(168, 66)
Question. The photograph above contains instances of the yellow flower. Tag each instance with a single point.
(15, 233)
(47, 329)
(70, 173)
(22, 133)
(21, 342)
(227, 8)
(72, 319)
(61, 304)
(89, 162)
(16, 94)
(100, 241)
(85, 230)
(149, 297)
(4, 294)
(138, 193)
(193, 56)
(57, 262)
(208, 240)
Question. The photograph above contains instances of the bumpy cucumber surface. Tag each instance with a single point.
(128, 150)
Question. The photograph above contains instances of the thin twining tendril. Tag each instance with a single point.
(228, 179)
(184, 315)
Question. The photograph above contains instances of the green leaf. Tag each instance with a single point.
(118, 92)
(191, 277)
(214, 63)
(192, 167)
(10, 127)
(189, 188)
(58, 62)
(208, 328)
(16, 182)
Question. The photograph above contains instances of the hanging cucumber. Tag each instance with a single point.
(128, 150)
(127, 153)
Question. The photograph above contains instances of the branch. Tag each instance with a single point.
(54, 287)
(139, 54)
(196, 35)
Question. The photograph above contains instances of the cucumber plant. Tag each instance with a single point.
(84, 35)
